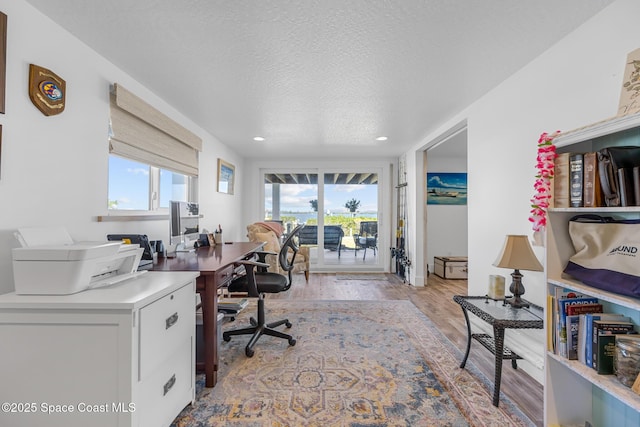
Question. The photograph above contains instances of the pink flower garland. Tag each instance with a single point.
(542, 198)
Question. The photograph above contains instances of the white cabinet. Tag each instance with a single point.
(116, 356)
(573, 392)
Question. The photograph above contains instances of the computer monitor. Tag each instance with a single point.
(184, 224)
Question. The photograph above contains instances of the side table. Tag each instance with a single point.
(501, 316)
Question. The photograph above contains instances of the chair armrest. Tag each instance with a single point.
(250, 267)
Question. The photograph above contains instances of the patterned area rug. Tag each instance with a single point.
(355, 364)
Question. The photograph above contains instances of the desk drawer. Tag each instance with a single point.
(224, 276)
(169, 388)
(164, 324)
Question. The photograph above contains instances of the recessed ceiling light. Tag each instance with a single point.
(381, 138)
(258, 138)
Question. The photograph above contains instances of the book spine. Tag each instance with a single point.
(584, 308)
(573, 323)
(625, 186)
(576, 169)
(606, 353)
(588, 351)
(592, 190)
(561, 181)
(636, 185)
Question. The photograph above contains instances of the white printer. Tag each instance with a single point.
(51, 263)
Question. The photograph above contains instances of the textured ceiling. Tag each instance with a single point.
(319, 77)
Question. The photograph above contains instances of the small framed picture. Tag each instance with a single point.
(226, 177)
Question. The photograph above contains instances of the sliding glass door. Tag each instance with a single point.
(340, 210)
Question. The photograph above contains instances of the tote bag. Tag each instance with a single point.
(607, 253)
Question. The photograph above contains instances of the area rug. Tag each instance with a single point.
(355, 364)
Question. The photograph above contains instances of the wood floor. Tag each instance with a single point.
(436, 301)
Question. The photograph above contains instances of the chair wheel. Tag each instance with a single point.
(292, 341)
(249, 352)
(288, 324)
(253, 322)
(226, 337)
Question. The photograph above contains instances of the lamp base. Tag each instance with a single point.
(516, 302)
(517, 289)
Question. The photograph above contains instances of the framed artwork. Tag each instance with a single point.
(3, 60)
(226, 177)
(446, 188)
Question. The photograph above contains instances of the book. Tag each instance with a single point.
(573, 329)
(589, 318)
(561, 181)
(608, 327)
(584, 308)
(582, 338)
(592, 191)
(550, 321)
(606, 353)
(636, 185)
(563, 305)
(559, 293)
(576, 171)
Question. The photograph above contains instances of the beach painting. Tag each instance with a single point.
(446, 188)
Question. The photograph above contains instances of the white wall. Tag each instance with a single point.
(53, 170)
(575, 83)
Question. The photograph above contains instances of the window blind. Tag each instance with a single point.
(140, 132)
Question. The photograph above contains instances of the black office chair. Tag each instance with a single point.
(256, 282)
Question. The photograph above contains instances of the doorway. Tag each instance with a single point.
(445, 210)
(341, 212)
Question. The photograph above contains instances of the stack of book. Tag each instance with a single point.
(577, 181)
(583, 332)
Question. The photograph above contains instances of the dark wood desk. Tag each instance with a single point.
(501, 316)
(216, 266)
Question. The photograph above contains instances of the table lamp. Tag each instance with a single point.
(517, 254)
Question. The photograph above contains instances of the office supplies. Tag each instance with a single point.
(51, 263)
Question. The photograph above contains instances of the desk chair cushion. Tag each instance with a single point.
(265, 282)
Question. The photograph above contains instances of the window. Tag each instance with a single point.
(138, 186)
(152, 159)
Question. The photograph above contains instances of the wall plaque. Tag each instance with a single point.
(46, 90)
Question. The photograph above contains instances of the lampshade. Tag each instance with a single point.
(518, 254)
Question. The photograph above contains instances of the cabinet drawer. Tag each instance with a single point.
(164, 324)
(169, 388)
(224, 276)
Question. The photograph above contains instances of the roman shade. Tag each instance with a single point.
(140, 132)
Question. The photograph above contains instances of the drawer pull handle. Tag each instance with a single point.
(171, 320)
(169, 384)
